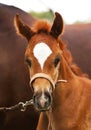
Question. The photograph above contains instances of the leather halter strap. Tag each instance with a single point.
(42, 75)
(45, 76)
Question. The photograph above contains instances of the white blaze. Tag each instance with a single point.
(41, 52)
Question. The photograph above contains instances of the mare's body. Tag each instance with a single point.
(78, 40)
(14, 80)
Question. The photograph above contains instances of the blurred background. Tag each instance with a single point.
(73, 11)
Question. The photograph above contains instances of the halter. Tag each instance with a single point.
(45, 76)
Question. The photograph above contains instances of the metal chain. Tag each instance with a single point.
(21, 105)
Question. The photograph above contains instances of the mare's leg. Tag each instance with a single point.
(43, 122)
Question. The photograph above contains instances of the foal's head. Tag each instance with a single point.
(43, 57)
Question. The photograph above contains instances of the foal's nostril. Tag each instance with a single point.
(42, 101)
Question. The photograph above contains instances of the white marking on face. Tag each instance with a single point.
(42, 99)
(41, 52)
(43, 95)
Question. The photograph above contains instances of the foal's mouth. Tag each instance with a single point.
(43, 109)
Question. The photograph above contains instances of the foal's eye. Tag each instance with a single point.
(28, 61)
(56, 61)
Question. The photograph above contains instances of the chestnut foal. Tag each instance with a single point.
(60, 94)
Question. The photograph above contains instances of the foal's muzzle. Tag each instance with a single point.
(42, 99)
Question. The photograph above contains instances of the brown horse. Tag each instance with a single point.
(14, 78)
(61, 92)
(78, 40)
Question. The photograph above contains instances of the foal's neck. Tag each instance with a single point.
(62, 90)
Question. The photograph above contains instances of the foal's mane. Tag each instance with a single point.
(45, 27)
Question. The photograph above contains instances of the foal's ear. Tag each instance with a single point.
(57, 26)
(22, 28)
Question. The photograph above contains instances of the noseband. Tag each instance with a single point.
(45, 76)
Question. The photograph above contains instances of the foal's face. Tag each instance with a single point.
(43, 57)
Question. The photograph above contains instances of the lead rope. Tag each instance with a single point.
(21, 105)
